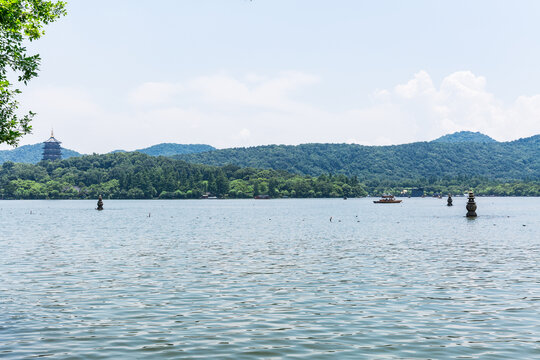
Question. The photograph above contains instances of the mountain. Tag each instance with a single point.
(30, 154)
(169, 149)
(135, 175)
(465, 136)
(515, 160)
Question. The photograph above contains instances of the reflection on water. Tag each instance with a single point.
(269, 278)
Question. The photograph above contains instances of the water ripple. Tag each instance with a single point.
(269, 279)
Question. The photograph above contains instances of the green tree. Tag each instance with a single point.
(256, 189)
(272, 187)
(222, 184)
(20, 20)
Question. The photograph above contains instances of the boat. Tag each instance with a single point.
(262, 197)
(387, 199)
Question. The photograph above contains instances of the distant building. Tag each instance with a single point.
(52, 149)
(417, 192)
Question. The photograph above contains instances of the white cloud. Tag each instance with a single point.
(421, 85)
(154, 93)
(67, 101)
(245, 133)
(460, 103)
(224, 111)
(271, 93)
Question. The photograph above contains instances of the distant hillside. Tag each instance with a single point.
(465, 136)
(135, 175)
(30, 154)
(169, 149)
(516, 160)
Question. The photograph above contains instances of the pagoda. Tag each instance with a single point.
(52, 149)
(471, 206)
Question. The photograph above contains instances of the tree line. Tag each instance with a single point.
(140, 176)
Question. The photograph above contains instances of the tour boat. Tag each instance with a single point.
(387, 199)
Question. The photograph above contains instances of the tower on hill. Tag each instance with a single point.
(52, 149)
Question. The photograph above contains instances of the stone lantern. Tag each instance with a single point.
(471, 205)
(449, 201)
(100, 203)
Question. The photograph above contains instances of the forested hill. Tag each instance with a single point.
(140, 176)
(465, 136)
(30, 154)
(33, 153)
(515, 160)
(169, 149)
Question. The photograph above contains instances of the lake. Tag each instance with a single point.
(251, 279)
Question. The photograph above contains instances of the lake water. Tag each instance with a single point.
(251, 279)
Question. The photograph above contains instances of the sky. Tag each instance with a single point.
(127, 74)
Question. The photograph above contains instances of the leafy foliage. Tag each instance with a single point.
(20, 20)
(140, 176)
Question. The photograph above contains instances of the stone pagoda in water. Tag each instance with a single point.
(52, 149)
(100, 203)
(471, 206)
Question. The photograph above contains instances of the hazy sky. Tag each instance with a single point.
(129, 74)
